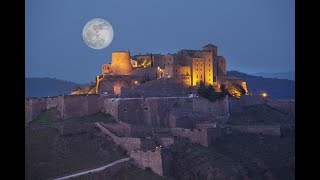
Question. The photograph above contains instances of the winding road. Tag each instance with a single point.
(95, 170)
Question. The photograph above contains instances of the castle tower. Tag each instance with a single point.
(121, 64)
(212, 48)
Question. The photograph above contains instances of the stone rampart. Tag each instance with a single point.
(128, 143)
(201, 136)
(155, 111)
(69, 106)
(159, 160)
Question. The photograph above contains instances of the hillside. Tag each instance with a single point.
(290, 75)
(276, 88)
(43, 87)
(54, 148)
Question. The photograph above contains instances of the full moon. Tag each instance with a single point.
(97, 33)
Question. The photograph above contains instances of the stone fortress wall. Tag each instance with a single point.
(158, 160)
(160, 118)
(285, 106)
(163, 87)
(69, 106)
(156, 111)
(128, 143)
(202, 136)
(153, 111)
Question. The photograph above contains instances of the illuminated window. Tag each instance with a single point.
(201, 76)
(197, 76)
(201, 69)
(209, 70)
(197, 69)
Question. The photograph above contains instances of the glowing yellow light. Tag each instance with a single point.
(264, 94)
(135, 82)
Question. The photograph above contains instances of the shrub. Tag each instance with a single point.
(208, 92)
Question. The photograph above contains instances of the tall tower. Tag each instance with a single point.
(121, 64)
(209, 52)
(212, 48)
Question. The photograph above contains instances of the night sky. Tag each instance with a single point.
(253, 35)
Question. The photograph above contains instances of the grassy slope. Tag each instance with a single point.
(48, 154)
(135, 173)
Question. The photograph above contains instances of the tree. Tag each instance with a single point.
(240, 89)
(224, 90)
(212, 95)
(202, 89)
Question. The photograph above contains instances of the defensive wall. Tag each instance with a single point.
(189, 119)
(128, 143)
(284, 106)
(163, 87)
(152, 111)
(125, 129)
(201, 136)
(159, 160)
(155, 111)
(69, 106)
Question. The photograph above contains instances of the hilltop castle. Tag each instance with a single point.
(183, 71)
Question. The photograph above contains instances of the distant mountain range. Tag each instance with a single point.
(43, 87)
(290, 75)
(276, 88)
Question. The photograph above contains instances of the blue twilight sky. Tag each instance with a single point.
(253, 35)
